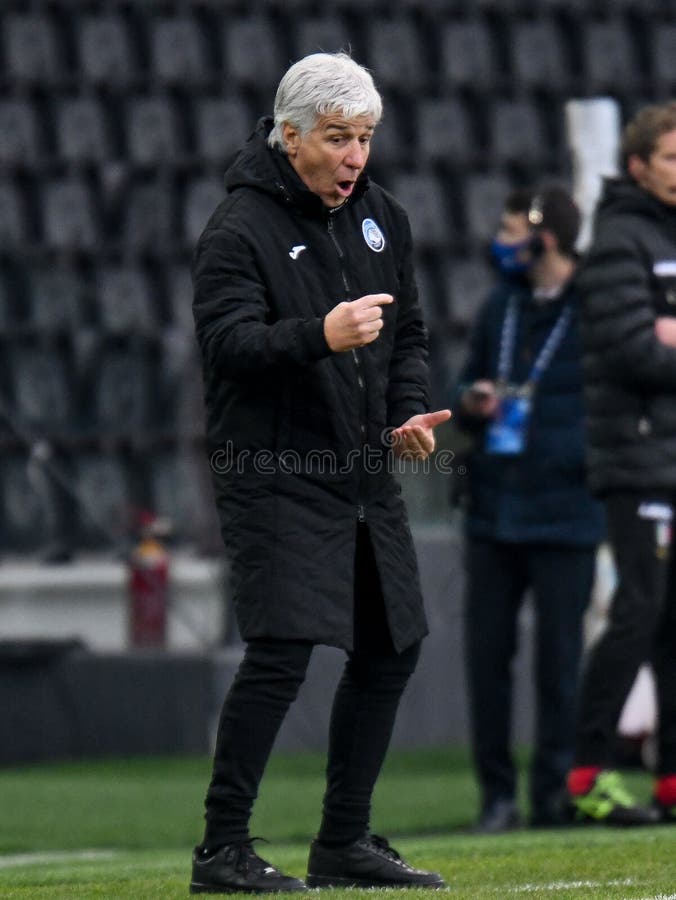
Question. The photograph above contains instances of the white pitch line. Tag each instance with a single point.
(574, 885)
(55, 856)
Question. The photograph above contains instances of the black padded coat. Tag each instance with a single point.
(295, 431)
(628, 279)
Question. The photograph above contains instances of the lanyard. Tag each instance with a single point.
(508, 339)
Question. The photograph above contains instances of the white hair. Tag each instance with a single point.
(319, 84)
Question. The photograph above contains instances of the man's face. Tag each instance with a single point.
(514, 228)
(330, 158)
(658, 175)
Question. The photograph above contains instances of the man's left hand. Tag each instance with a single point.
(415, 438)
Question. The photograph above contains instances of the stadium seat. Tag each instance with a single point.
(23, 519)
(392, 143)
(181, 488)
(609, 60)
(123, 392)
(81, 131)
(179, 292)
(467, 56)
(202, 196)
(105, 51)
(517, 135)
(485, 195)
(104, 508)
(41, 391)
(663, 58)
(125, 303)
(31, 49)
(444, 132)
(13, 222)
(222, 125)
(56, 298)
(20, 140)
(252, 52)
(468, 282)
(148, 219)
(538, 59)
(315, 35)
(178, 53)
(422, 195)
(70, 221)
(395, 55)
(152, 131)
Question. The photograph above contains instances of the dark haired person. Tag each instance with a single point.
(530, 522)
(628, 289)
(315, 362)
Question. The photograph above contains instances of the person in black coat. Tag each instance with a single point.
(315, 370)
(530, 520)
(628, 287)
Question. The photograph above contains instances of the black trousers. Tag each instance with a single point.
(641, 628)
(362, 718)
(498, 576)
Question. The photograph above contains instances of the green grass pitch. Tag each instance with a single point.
(123, 829)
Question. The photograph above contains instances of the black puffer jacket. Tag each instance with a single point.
(627, 280)
(296, 431)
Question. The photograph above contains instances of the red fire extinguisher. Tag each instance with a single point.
(149, 585)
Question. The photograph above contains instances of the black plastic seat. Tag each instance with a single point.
(538, 57)
(20, 139)
(222, 126)
(40, 389)
(125, 302)
(445, 133)
(13, 215)
(148, 223)
(178, 53)
(123, 392)
(32, 49)
(485, 195)
(202, 196)
(663, 57)
(81, 130)
(422, 195)
(70, 220)
(24, 518)
(104, 507)
(468, 282)
(56, 298)
(327, 34)
(517, 134)
(467, 56)
(609, 59)
(396, 56)
(105, 53)
(152, 131)
(252, 52)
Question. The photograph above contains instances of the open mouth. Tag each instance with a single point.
(346, 187)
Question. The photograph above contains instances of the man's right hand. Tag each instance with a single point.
(356, 323)
(480, 399)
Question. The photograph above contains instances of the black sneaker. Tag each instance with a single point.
(237, 868)
(664, 813)
(369, 863)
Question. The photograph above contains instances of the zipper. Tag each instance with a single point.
(361, 511)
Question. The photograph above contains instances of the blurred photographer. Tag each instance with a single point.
(530, 521)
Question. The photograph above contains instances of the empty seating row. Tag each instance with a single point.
(150, 131)
(90, 499)
(253, 50)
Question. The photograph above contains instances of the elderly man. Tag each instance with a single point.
(315, 366)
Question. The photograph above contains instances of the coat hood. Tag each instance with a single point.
(624, 196)
(266, 169)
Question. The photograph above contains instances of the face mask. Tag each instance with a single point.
(507, 257)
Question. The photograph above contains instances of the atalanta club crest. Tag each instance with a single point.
(373, 235)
